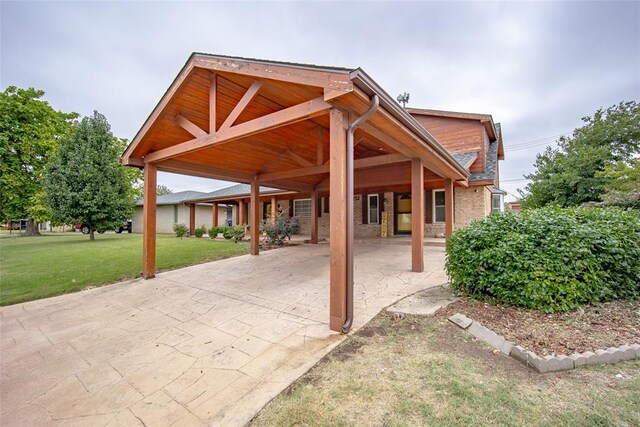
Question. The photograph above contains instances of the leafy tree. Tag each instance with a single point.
(85, 183)
(29, 133)
(576, 172)
(163, 190)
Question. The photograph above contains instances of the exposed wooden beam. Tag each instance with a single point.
(213, 102)
(298, 158)
(293, 114)
(242, 104)
(254, 225)
(190, 127)
(132, 161)
(315, 170)
(338, 220)
(314, 215)
(417, 215)
(448, 208)
(195, 169)
(149, 222)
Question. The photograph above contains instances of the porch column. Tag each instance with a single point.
(241, 212)
(149, 222)
(314, 215)
(339, 220)
(448, 207)
(417, 215)
(192, 220)
(214, 219)
(274, 209)
(255, 217)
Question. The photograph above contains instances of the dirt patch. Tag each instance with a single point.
(369, 331)
(599, 326)
(346, 350)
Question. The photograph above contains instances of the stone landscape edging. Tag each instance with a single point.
(547, 363)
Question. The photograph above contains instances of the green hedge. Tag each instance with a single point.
(551, 259)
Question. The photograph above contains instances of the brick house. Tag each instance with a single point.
(474, 140)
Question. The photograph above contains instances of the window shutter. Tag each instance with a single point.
(428, 212)
(380, 207)
(365, 208)
(326, 205)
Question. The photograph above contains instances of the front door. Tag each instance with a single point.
(229, 215)
(402, 213)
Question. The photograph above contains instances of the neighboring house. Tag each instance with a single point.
(514, 207)
(172, 210)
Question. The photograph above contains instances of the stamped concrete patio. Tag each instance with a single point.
(207, 344)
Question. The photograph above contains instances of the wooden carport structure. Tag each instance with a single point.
(287, 126)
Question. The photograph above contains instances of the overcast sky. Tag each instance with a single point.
(536, 67)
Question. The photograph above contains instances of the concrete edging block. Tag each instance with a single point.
(547, 363)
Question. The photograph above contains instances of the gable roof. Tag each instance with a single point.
(334, 81)
(237, 190)
(174, 198)
(491, 165)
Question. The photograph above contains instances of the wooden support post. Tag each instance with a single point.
(255, 217)
(274, 209)
(448, 207)
(192, 220)
(149, 223)
(314, 215)
(241, 211)
(214, 219)
(213, 103)
(417, 215)
(338, 219)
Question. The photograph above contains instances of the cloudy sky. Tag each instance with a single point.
(536, 67)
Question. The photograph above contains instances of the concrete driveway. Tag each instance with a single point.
(207, 344)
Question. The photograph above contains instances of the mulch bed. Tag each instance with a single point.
(595, 327)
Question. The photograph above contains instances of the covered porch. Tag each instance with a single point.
(322, 131)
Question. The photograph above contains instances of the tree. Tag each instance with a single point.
(163, 190)
(29, 133)
(84, 181)
(575, 173)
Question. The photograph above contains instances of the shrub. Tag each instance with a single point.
(280, 230)
(227, 232)
(199, 232)
(552, 259)
(180, 230)
(214, 231)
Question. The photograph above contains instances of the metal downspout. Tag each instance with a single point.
(375, 102)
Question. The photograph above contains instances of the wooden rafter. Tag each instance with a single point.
(315, 170)
(213, 102)
(293, 114)
(190, 127)
(242, 104)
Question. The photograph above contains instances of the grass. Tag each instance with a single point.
(40, 267)
(424, 371)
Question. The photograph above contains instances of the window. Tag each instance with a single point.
(374, 208)
(302, 208)
(496, 203)
(438, 205)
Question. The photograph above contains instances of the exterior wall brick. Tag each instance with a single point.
(470, 204)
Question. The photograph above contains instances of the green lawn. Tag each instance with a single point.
(39, 267)
(423, 371)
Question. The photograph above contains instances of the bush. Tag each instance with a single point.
(214, 231)
(180, 230)
(551, 259)
(199, 232)
(280, 230)
(236, 233)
